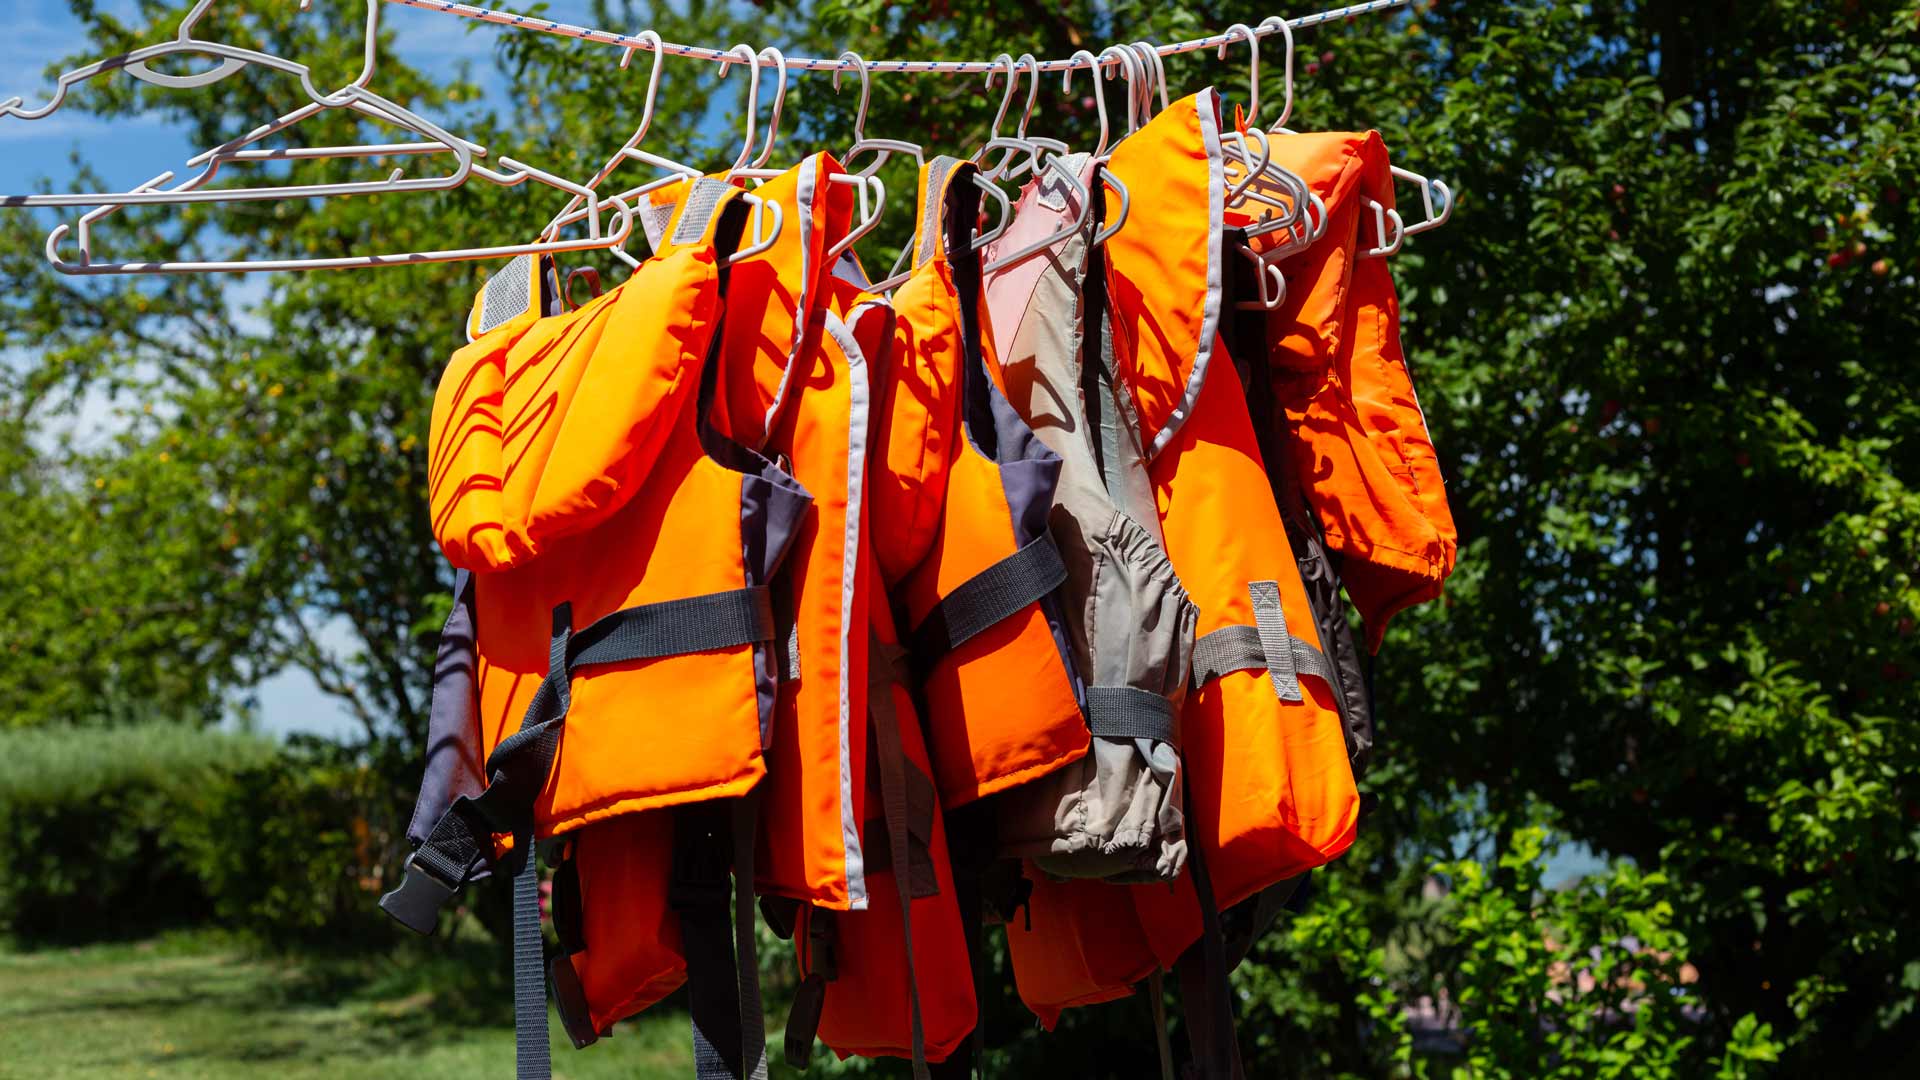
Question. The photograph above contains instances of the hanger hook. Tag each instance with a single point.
(1032, 64)
(779, 99)
(747, 56)
(1006, 99)
(1099, 99)
(1253, 65)
(653, 78)
(1130, 66)
(1150, 58)
(1276, 22)
(866, 91)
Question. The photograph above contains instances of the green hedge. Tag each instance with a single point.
(116, 832)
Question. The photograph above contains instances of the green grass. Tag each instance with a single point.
(198, 1007)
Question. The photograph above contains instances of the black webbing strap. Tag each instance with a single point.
(885, 667)
(1203, 980)
(569, 997)
(822, 961)
(753, 1021)
(1128, 712)
(723, 978)
(923, 801)
(462, 840)
(1000, 591)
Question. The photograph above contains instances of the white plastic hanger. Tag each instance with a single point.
(765, 233)
(871, 191)
(884, 148)
(355, 95)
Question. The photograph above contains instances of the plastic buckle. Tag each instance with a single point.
(416, 903)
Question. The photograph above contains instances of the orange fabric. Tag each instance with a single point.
(792, 390)
(576, 441)
(867, 1005)
(1084, 945)
(1002, 708)
(1360, 449)
(633, 956)
(1271, 790)
(1270, 787)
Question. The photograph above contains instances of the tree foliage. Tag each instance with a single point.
(1665, 345)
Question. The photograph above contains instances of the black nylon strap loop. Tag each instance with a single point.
(462, 839)
(1128, 712)
(1000, 591)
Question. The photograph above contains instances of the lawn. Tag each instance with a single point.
(208, 1009)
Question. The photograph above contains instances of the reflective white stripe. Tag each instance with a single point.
(1205, 105)
(809, 170)
(857, 421)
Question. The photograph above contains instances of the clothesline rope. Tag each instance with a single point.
(808, 63)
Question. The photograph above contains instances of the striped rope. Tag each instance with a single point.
(806, 63)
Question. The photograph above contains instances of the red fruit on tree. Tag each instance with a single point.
(1837, 260)
(1313, 67)
(1651, 425)
(1904, 626)
(1882, 609)
(1890, 194)
(1859, 248)
(1619, 191)
(1608, 410)
(1327, 57)
(1881, 268)
(1613, 235)
(1742, 459)
(1892, 672)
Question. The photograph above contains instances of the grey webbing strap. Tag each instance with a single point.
(1268, 647)
(1271, 622)
(532, 1056)
(1128, 712)
(517, 770)
(884, 665)
(1157, 990)
(1000, 591)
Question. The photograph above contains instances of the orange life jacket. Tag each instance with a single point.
(961, 498)
(1360, 449)
(869, 986)
(575, 472)
(1270, 788)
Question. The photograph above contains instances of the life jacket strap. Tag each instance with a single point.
(1204, 989)
(723, 971)
(462, 840)
(1128, 712)
(885, 667)
(1266, 646)
(999, 592)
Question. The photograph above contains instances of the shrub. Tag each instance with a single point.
(89, 826)
(114, 832)
(285, 848)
